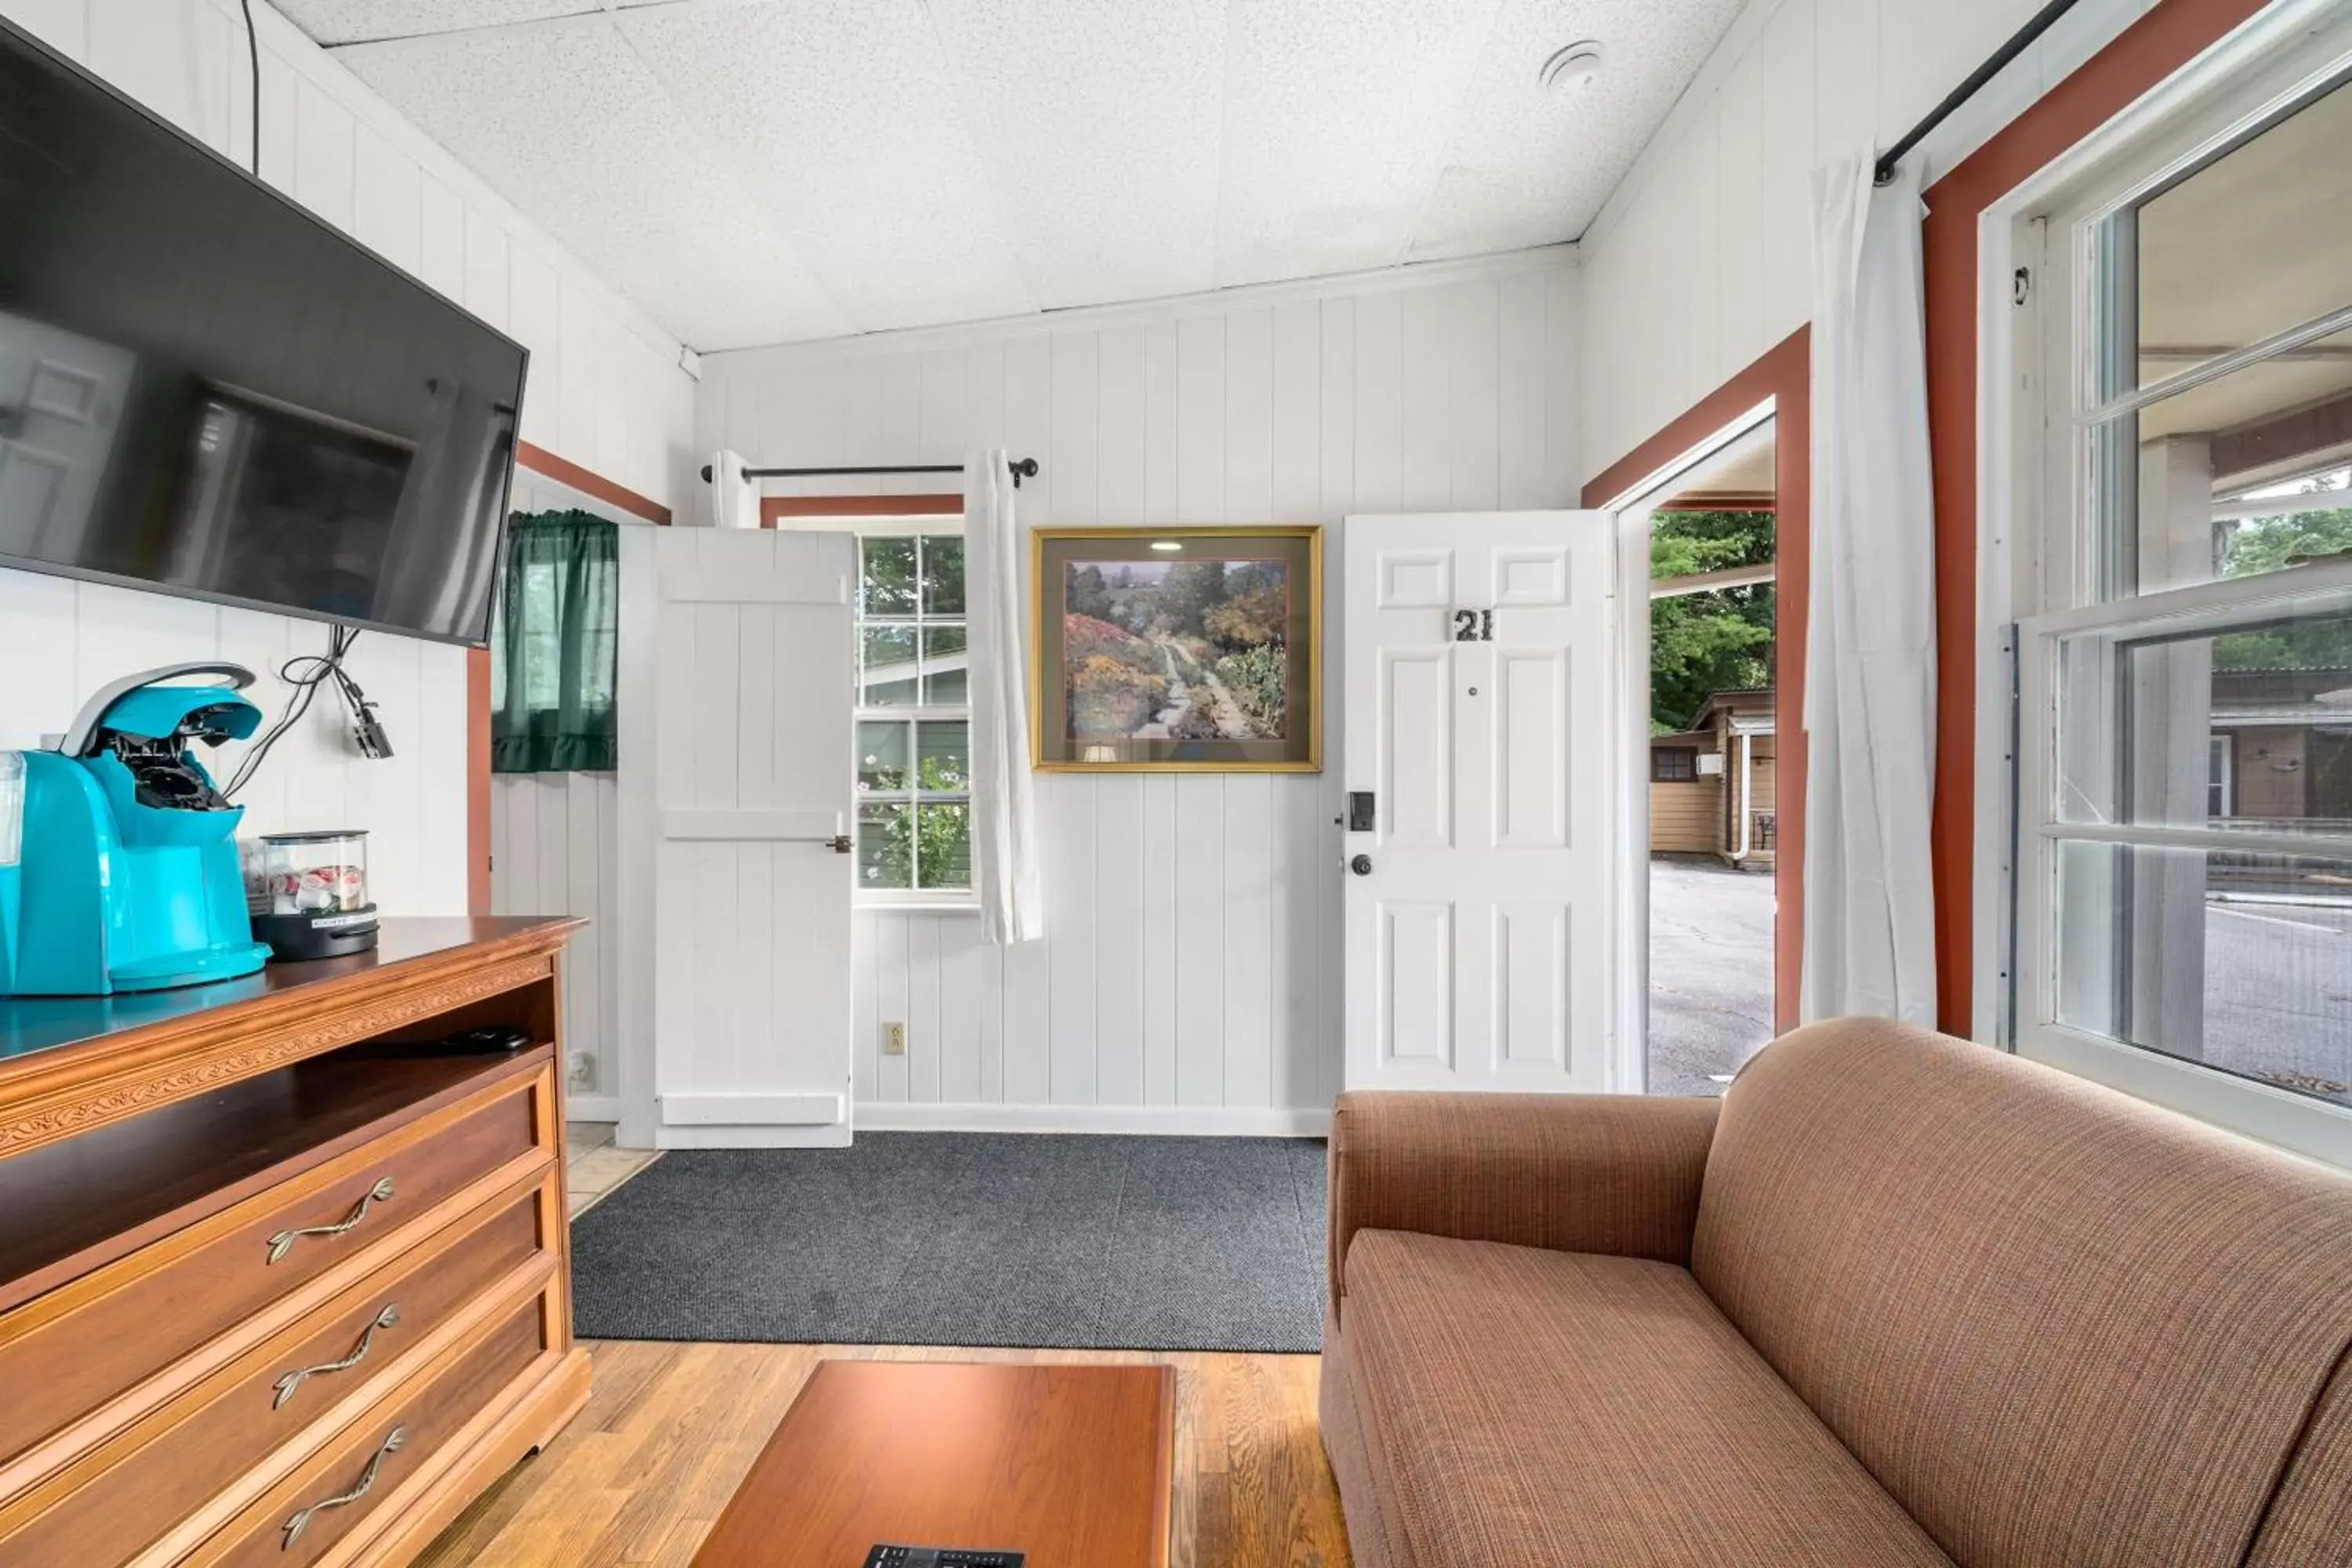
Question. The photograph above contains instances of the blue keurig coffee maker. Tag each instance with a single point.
(119, 867)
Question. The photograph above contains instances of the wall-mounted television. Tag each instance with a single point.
(205, 391)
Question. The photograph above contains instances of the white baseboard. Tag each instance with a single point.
(1188, 1121)
(591, 1107)
(749, 1137)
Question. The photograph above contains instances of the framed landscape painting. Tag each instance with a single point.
(1178, 650)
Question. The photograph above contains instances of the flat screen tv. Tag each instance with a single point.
(206, 391)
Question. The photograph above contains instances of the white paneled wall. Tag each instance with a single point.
(606, 392)
(1190, 975)
(1702, 259)
(554, 845)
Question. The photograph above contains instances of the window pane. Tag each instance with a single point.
(882, 755)
(2235, 961)
(943, 747)
(943, 574)
(945, 847)
(2249, 728)
(2252, 243)
(2237, 478)
(888, 668)
(945, 682)
(888, 579)
(885, 858)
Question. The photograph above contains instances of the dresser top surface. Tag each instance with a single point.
(30, 1025)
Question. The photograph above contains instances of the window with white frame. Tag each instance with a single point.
(2183, 878)
(914, 715)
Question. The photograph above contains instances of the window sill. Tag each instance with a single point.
(943, 906)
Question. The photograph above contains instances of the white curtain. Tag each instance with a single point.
(1005, 866)
(1870, 646)
(734, 500)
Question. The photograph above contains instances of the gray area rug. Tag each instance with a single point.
(953, 1238)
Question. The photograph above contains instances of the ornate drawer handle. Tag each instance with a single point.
(283, 1242)
(293, 1380)
(301, 1520)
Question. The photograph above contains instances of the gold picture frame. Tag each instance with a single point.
(1163, 702)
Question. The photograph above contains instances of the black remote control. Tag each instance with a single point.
(889, 1556)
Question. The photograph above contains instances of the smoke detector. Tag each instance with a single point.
(1572, 69)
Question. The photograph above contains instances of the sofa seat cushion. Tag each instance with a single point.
(1566, 1408)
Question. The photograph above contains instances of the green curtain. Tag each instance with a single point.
(552, 653)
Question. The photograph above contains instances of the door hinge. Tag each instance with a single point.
(2020, 286)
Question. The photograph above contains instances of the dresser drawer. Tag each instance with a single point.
(64, 1354)
(379, 1456)
(171, 1464)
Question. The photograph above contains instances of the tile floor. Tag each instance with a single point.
(594, 1168)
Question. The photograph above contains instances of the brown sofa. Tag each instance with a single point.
(1894, 1299)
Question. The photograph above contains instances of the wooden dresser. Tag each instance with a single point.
(274, 1286)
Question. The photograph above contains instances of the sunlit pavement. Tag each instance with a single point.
(1710, 973)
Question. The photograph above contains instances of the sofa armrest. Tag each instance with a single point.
(1585, 1172)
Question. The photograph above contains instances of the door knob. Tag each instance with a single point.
(1362, 865)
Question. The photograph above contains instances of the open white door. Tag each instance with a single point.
(737, 654)
(1480, 738)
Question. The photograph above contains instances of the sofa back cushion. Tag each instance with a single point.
(2060, 1326)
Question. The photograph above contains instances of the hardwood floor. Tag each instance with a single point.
(640, 1475)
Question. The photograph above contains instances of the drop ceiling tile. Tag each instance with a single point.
(839, 122)
(1531, 167)
(1337, 115)
(1099, 124)
(566, 122)
(352, 21)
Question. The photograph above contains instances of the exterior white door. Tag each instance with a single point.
(738, 668)
(1481, 869)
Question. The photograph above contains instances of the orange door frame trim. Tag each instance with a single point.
(588, 482)
(2139, 58)
(1785, 376)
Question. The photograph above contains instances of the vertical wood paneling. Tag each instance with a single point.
(1249, 416)
(329, 142)
(1158, 884)
(1191, 956)
(1249, 930)
(1473, 415)
(1200, 946)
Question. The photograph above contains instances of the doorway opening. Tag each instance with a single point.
(1711, 772)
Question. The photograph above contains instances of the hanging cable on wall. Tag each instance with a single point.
(253, 59)
(306, 673)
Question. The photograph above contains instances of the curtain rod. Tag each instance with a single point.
(1023, 469)
(2017, 45)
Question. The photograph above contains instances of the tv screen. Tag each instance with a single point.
(205, 390)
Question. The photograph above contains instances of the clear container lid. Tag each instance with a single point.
(316, 873)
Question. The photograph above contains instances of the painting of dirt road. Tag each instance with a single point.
(1176, 650)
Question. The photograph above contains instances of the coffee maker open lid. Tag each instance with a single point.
(82, 739)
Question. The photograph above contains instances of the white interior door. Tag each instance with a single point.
(60, 398)
(1479, 738)
(736, 651)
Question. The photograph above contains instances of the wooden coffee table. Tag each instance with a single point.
(1072, 1465)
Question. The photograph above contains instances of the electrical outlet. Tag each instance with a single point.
(582, 1067)
(894, 1040)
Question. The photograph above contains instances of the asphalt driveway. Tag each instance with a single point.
(1710, 972)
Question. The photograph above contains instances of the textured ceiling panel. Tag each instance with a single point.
(766, 171)
(352, 21)
(1528, 167)
(839, 121)
(1100, 124)
(1337, 116)
(567, 123)
(375, 21)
